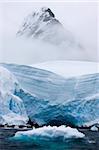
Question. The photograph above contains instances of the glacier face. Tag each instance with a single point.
(12, 110)
(52, 99)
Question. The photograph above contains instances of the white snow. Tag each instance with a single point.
(7, 80)
(12, 110)
(92, 123)
(14, 119)
(94, 128)
(69, 68)
(51, 132)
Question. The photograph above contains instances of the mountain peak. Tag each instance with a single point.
(45, 14)
(37, 23)
(44, 26)
(48, 11)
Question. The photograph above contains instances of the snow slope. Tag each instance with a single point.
(69, 68)
(12, 110)
(52, 99)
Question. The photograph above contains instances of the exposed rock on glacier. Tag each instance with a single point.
(12, 110)
(54, 100)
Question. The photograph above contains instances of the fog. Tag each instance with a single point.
(28, 51)
(79, 18)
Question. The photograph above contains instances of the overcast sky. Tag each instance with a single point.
(81, 18)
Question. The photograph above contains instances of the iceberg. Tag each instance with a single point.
(12, 110)
(94, 128)
(51, 99)
(48, 132)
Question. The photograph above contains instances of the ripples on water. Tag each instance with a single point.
(90, 142)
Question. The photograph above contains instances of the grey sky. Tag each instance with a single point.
(81, 18)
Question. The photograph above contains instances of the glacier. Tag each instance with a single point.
(51, 99)
(67, 68)
(12, 110)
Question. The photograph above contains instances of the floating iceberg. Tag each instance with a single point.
(12, 110)
(48, 132)
(53, 100)
(94, 128)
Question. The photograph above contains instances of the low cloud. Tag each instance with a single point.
(29, 51)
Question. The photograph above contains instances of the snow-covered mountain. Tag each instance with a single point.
(52, 99)
(12, 110)
(44, 26)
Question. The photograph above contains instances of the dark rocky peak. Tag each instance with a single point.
(46, 14)
(48, 10)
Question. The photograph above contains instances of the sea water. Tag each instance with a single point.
(89, 142)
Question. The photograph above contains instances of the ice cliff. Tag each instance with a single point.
(12, 110)
(52, 99)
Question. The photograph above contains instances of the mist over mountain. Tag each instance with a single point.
(42, 37)
(44, 26)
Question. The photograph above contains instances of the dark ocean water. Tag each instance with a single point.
(90, 142)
